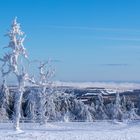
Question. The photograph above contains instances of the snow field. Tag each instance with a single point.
(72, 131)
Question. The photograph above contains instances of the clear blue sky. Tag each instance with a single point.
(91, 40)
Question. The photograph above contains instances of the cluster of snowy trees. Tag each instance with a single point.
(36, 100)
(120, 109)
(56, 105)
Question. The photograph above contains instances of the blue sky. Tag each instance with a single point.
(91, 40)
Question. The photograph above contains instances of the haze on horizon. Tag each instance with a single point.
(88, 40)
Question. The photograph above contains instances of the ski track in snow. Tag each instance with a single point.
(72, 131)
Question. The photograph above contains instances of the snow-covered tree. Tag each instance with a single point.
(123, 104)
(100, 108)
(138, 105)
(46, 73)
(4, 95)
(12, 64)
(110, 110)
(124, 108)
(31, 105)
(92, 110)
(132, 115)
(51, 113)
(4, 101)
(117, 110)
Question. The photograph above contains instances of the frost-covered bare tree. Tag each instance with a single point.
(38, 101)
(12, 64)
(46, 73)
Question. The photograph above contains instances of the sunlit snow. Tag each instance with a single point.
(72, 131)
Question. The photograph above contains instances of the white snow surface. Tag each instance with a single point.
(101, 130)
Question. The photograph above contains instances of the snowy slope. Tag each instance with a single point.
(73, 131)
